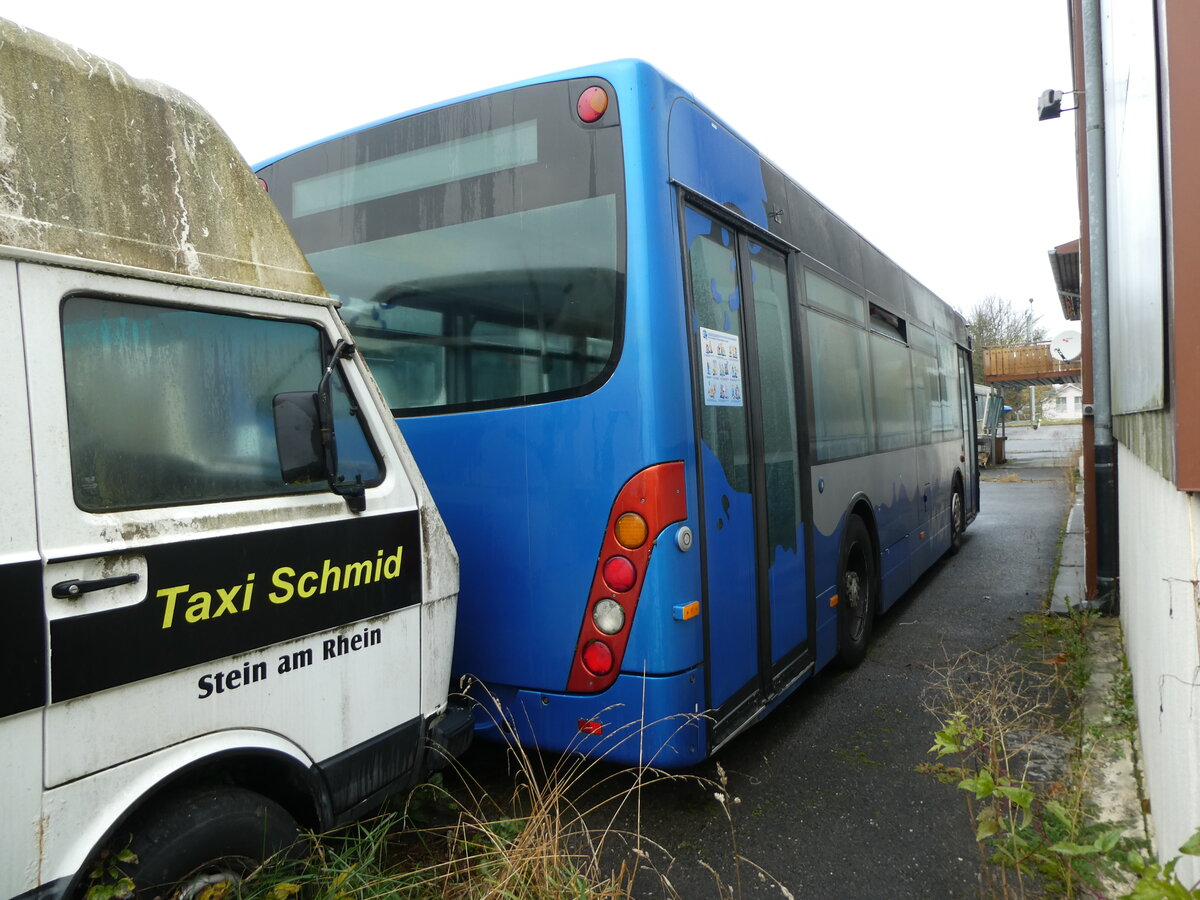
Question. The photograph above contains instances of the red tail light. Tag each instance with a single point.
(649, 502)
(619, 574)
(597, 657)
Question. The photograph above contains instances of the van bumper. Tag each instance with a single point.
(448, 734)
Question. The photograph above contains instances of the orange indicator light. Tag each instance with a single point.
(632, 531)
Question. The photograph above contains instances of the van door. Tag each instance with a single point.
(188, 590)
(23, 662)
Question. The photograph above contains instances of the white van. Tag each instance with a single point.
(227, 598)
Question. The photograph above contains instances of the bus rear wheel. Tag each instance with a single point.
(957, 519)
(857, 600)
(201, 839)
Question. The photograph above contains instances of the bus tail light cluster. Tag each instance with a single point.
(649, 502)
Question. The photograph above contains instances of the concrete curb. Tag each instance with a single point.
(1069, 590)
(1110, 751)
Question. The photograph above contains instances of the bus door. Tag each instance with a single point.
(758, 622)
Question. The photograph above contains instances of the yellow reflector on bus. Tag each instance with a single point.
(631, 531)
(685, 611)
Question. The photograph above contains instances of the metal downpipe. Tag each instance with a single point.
(1106, 530)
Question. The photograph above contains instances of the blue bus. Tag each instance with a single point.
(689, 430)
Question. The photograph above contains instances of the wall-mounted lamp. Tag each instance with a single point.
(1050, 105)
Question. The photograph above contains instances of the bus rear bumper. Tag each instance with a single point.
(648, 720)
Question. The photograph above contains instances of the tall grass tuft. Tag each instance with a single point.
(570, 829)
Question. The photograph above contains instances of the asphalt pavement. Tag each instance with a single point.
(824, 794)
(831, 802)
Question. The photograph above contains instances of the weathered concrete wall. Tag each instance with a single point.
(1151, 436)
(1160, 544)
(102, 166)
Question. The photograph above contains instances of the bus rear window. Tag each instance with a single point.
(478, 249)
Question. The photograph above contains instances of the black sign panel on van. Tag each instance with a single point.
(23, 662)
(212, 598)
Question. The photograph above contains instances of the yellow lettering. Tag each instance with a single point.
(226, 596)
(301, 585)
(326, 571)
(198, 606)
(355, 572)
(249, 590)
(279, 579)
(170, 594)
(391, 565)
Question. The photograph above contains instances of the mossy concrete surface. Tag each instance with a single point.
(97, 165)
(1111, 752)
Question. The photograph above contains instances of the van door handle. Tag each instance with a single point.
(69, 590)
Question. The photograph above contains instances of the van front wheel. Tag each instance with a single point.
(198, 839)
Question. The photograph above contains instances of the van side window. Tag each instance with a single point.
(173, 406)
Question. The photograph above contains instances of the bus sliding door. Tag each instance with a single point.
(756, 602)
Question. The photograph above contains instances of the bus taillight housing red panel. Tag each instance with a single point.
(649, 502)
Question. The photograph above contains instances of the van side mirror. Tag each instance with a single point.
(304, 436)
(298, 438)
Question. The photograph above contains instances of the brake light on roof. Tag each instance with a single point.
(592, 104)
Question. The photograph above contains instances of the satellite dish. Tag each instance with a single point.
(1066, 346)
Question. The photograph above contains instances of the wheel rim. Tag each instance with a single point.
(856, 599)
(956, 513)
(212, 884)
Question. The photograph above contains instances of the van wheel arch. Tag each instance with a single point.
(278, 778)
(192, 836)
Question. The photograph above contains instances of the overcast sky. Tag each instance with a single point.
(915, 120)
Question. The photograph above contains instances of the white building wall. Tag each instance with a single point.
(1072, 409)
(1160, 615)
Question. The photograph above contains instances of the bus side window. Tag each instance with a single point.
(174, 406)
(893, 383)
(839, 384)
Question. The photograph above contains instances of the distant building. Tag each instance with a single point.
(1063, 403)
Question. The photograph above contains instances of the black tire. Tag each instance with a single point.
(958, 520)
(183, 841)
(857, 593)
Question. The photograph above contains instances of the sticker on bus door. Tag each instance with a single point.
(721, 353)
